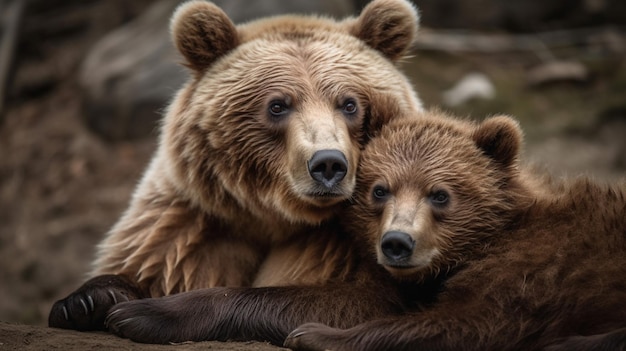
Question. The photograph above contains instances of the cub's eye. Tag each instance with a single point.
(380, 192)
(278, 108)
(439, 198)
(350, 107)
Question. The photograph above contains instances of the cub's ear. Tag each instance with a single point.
(202, 32)
(389, 26)
(501, 139)
(383, 109)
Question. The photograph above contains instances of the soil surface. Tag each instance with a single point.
(14, 337)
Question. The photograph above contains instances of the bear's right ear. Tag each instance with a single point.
(202, 32)
(500, 138)
(389, 26)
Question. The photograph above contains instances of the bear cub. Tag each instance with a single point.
(524, 263)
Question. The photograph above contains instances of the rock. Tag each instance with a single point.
(10, 16)
(557, 71)
(520, 15)
(472, 86)
(245, 10)
(130, 74)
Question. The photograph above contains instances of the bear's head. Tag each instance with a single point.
(432, 190)
(277, 110)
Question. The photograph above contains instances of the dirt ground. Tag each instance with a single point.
(15, 337)
(62, 186)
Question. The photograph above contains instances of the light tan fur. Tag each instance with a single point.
(227, 199)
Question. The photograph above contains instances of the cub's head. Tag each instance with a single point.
(431, 190)
(278, 109)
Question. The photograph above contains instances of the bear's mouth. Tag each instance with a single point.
(325, 199)
(402, 270)
(324, 195)
(405, 265)
(401, 266)
(334, 193)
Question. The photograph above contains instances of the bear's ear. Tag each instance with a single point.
(389, 26)
(202, 32)
(383, 109)
(501, 139)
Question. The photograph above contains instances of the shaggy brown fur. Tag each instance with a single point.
(367, 292)
(233, 192)
(522, 268)
(263, 313)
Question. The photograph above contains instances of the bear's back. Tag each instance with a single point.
(564, 257)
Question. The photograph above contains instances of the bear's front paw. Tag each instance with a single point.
(315, 336)
(86, 308)
(174, 318)
(146, 321)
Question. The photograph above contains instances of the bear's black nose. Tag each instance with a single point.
(328, 167)
(397, 246)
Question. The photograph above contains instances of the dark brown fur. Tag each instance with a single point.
(513, 272)
(524, 268)
(366, 292)
(264, 313)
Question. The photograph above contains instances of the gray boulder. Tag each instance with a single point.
(130, 74)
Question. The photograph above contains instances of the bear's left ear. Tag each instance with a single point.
(500, 138)
(389, 26)
(202, 32)
(383, 109)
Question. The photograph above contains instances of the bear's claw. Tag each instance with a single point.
(86, 308)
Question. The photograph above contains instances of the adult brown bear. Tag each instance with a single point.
(257, 154)
(522, 267)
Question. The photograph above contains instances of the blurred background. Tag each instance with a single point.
(84, 82)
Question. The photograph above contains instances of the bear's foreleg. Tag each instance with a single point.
(264, 314)
(614, 340)
(158, 248)
(451, 329)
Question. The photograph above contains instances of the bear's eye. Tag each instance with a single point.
(278, 108)
(350, 107)
(380, 192)
(439, 198)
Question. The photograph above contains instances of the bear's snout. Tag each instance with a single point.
(328, 167)
(397, 246)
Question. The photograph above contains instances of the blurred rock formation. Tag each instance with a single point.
(130, 74)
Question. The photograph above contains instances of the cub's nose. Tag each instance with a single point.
(328, 167)
(397, 246)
